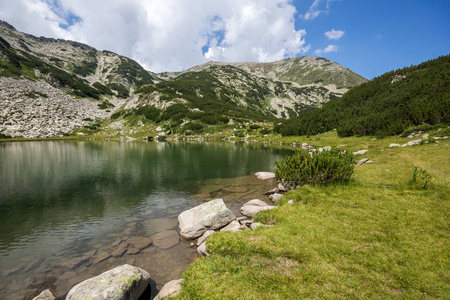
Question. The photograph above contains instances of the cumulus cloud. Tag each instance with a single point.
(318, 7)
(167, 35)
(334, 34)
(329, 48)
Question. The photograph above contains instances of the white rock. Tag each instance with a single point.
(264, 175)
(210, 215)
(425, 136)
(233, 226)
(290, 202)
(363, 161)
(123, 282)
(169, 290)
(360, 152)
(252, 207)
(394, 145)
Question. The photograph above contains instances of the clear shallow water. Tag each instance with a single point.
(65, 206)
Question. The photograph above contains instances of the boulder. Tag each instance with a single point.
(169, 290)
(123, 282)
(252, 207)
(204, 237)
(264, 175)
(45, 295)
(272, 191)
(275, 197)
(233, 226)
(210, 215)
(360, 152)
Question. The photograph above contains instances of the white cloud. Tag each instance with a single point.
(334, 34)
(167, 35)
(329, 48)
(317, 8)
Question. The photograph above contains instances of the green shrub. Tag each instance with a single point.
(421, 177)
(315, 167)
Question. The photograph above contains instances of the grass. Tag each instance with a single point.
(381, 236)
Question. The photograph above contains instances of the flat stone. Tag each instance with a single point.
(170, 289)
(363, 161)
(252, 207)
(272, 191)
(123, 282)
(166, 239)
(204, 237)
(360, 152)
(394, 145)
(101, 257)
(45, 295)
(210, 215)
(139, 242)
(121, 249)
(233, 226)
(265, 175)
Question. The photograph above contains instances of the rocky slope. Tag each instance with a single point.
(82, 85)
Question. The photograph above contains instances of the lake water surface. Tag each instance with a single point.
(70, 210)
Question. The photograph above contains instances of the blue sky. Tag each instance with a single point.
(380, 35)
(370, 37)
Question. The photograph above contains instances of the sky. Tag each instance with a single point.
(370, 37)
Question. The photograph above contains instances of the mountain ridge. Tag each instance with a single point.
(121, 87)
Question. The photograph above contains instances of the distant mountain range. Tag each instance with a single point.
(50, 87)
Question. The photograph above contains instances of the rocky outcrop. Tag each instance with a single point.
(210, 215)
(121, 283)
(33, 109)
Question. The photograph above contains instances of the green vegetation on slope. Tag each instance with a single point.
(387, 105)
(379, 237)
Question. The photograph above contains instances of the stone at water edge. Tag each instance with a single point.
(204, 237)
(265, 175)
(252, 207)
(123, 282)
(45, 295)
(169, 290)
(202, 250)
(275, 197)
(272, 191)
(210, 215)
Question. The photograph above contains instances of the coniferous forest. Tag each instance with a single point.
(386, 105)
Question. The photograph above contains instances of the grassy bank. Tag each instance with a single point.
(381, 236)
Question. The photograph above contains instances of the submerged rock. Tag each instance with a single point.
(166, 239)
(210, 215)
(170, 289)
(123, 282)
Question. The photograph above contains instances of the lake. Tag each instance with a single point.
(67, 207)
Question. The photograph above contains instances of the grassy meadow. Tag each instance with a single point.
(381, 236)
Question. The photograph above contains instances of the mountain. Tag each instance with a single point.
(386, 105)
(51, 87)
